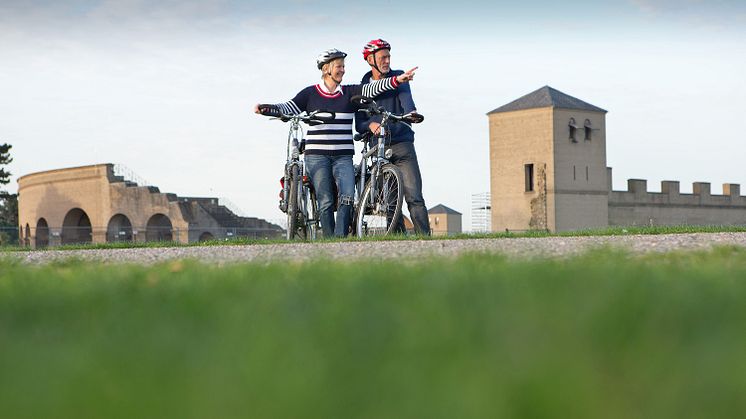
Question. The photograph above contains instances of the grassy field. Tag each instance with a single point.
(603, 335)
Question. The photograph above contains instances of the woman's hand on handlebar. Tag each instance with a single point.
(267, 110)
(375, 127)
(406, 77)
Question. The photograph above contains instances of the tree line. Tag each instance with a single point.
(8, 201)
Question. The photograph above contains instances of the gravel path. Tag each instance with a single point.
(513, 247)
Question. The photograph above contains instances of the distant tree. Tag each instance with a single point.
(8, 202)
(8, 219)
(9, 210)
(4, 159)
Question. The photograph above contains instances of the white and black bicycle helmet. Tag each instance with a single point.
(329, 55)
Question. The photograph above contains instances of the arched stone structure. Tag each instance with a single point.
(41, 239)
(27, 236)
(103, 195)
(76, 227)
(159, 228)
(119, 229)
(206, 236)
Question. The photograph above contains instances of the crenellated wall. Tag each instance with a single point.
(638, 206)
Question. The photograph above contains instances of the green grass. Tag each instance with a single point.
(602, 335)
(612, 231)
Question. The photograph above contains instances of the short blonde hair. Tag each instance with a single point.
(326, 68)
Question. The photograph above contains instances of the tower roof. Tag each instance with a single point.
(442, 209)
(546, 97)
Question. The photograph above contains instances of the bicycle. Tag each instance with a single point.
(379, 191)
(297, 197)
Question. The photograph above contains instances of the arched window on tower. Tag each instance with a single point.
(573, 129)
(588, 129)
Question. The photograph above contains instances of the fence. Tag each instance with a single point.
(481, 210)
(129, 175)
(42, 237)
(9, 236)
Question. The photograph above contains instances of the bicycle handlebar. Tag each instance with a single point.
(370, 107)
(316, 117)
(367, 135)
(361, 101)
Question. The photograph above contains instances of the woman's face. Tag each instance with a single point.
(337, 69)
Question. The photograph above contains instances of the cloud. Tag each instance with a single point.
(116, 23)
(701, 17)
(721, 9)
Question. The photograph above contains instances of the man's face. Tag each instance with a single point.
(383, 60)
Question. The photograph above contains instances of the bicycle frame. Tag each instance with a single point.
(378, 181)
(295, 172)
(377, 154)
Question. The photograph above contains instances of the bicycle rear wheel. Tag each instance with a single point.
(380, 216)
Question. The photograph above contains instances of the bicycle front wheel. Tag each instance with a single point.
(312, 219)
(294, 213)
(380, 205)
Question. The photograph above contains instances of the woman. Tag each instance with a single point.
(329, 147)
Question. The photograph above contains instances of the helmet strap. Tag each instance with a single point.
(375, 63)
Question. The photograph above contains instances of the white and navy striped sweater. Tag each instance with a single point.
(335, 137)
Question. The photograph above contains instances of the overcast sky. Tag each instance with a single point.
(166, 88)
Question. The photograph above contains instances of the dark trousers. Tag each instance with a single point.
(405, 158)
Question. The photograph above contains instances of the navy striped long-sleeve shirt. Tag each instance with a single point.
(333, 138)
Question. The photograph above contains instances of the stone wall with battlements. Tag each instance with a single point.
(638, 206)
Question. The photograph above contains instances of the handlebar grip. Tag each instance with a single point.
(363, 137)
(322, 117)
(361, 101)
(269, 110)
(413, 118)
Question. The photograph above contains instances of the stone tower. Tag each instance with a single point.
(548, 164)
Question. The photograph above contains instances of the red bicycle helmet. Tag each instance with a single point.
(373, 46)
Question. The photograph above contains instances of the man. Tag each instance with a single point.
(399, 101)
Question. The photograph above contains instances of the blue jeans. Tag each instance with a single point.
(405, 158)
(326, 172)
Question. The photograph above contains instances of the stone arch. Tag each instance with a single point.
(76, 227)
(206, 236)
(119, 229)
(27, 236)
(159, 228)
(42, 234)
